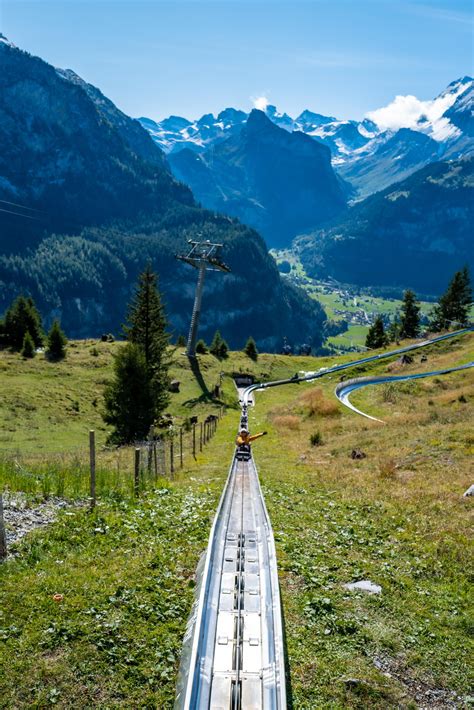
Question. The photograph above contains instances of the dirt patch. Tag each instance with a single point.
(423, 692)
(22, 517)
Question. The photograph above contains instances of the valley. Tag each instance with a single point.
(344, 303)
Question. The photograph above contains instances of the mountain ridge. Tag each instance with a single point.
(97, 200)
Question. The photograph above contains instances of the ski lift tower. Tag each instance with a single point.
(204, 256)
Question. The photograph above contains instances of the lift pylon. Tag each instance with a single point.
(203, 256)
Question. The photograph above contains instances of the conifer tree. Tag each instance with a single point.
(56, 342)
(20, 318)
(147, 329)
(129, 398)
(201, 347)
(453, 306)
(215, 346)
(251, 349)
(147, 322)
(219, 347)
(410, 318)
(28, 347)
(393, 330)
(181, 341)
(376, 337)
(223, 350)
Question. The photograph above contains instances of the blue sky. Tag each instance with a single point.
(337, 57)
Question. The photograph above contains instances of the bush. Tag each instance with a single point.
(28, 347)
(316, 439)
(387, 468)
(201, 347)
(287, 421)
(181, 342)
(314, 402)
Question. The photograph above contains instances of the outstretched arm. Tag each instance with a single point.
(257, 436)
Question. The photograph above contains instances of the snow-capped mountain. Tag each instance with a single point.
(175, 133)
(280, 182)
(388, 145)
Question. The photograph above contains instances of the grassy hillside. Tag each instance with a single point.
(396, 517)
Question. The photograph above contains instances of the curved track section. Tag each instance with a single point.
(345, 389)
(338, 368)
(237, 653)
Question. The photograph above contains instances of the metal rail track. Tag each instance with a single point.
(344, 389)
(233, 657)
(237, 652)
(339, 368)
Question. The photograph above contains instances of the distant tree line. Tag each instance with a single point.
(452, 310)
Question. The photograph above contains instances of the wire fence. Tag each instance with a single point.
(121, 472)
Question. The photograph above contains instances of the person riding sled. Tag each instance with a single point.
(244, 438)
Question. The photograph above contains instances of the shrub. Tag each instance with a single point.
(28, 347)
(387, 468)
(201, 347)
(287, 421)
(94, 352)
(181, 341)
(389, 393)
(314, 402)
(316, 439)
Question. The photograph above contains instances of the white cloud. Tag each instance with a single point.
(406, 112)
(260, 102)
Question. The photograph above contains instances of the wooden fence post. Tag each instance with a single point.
(200, 438)
(194, 441)
(92, 468)
(136, 476)
(3, 537)
(172, 455)
(155, 460)
(181, 447)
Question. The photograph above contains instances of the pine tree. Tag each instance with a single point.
(28, 347)
(215, 346)
(201, 347)
(223, 350)
(147, 322)
(56, 342)
(393, 331)
(147, 329)
(20, 318)
(129, 399)
(219, 347)
(376, 337)
(251, 349)
(410, 318)
(453, 306)
(181, 341)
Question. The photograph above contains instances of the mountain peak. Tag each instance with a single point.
(5, 41)
(258, 120)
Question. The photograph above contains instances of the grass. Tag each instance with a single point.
(396, 517)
